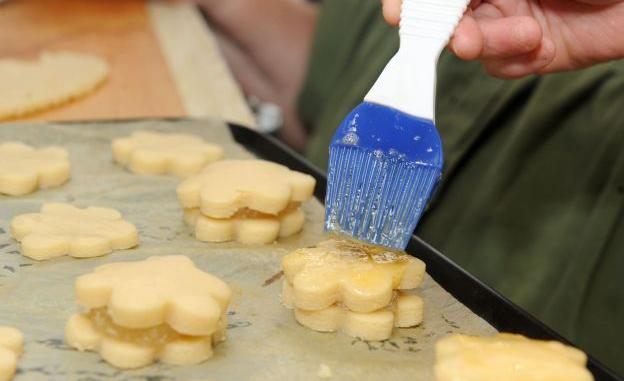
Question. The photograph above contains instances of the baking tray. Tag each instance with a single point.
(264, 342)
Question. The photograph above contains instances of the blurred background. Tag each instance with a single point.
(538, 221)
(163, 58)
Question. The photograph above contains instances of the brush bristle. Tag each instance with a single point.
(376, 197)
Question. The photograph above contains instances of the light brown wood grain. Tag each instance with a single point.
(119, 31)
(205, 83)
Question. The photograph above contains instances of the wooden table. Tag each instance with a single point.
(164, 59)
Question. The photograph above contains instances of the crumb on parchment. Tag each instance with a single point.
(324, 372)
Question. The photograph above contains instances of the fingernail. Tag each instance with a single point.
(462, 47)
(457, 44)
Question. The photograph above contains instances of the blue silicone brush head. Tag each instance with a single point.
(384, 165)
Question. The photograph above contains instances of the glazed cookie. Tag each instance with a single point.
(361, 277)
(56, 78)
(156, 153)
(23, 169)
(225, 187)
(246, 226)
(11, 347)
(162, 308)
(63, 229)
(405, 310)
(508, 357)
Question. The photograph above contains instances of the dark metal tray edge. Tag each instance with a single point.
(481, 299)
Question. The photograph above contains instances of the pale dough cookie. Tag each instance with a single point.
(29, 86)
(246, 226)
(23, 169)
(508, 357)
(156, 153)
(11, 347)
(361, 277)
(134, 348)
(224, 187)
(324, 372)
(162, 308)
(405, 310)
(63, 229)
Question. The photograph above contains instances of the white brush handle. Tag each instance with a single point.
(408, 81)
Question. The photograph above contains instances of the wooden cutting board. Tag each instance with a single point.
(120, 31)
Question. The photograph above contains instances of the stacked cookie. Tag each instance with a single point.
(509, 357)
(362, 290)
(249, 201)
(11, 347)
(162, 308)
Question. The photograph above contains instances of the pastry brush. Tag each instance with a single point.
(385, 158)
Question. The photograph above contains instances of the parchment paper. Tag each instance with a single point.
(264, 342)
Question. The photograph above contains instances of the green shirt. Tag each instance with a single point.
(532, 199)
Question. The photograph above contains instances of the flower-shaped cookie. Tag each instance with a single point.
(160, 308)
(405, 310)
(63, 229)
(11, 347)
(224, 187)
(508, 357)
(246, 226)
(23, 169)
(129, 348)
(158, 290)
(156, 153)
(359, 276)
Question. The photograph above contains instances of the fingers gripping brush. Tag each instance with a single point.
(385, 159)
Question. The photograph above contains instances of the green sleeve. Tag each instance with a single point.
(533, 200)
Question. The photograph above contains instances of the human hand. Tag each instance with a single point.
(514, 38)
